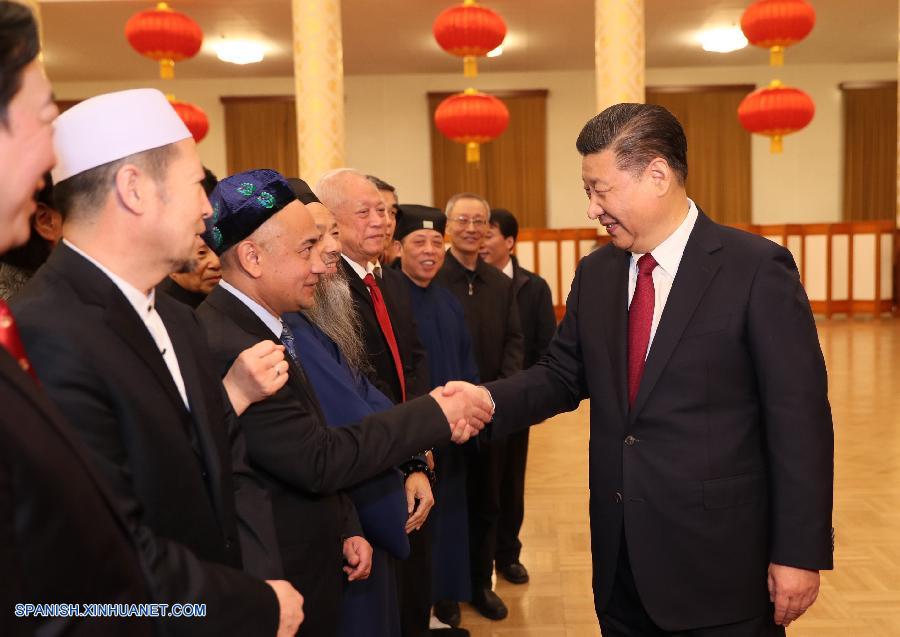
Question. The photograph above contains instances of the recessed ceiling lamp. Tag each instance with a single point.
(724, 40)
(240, 51)
(495, 52)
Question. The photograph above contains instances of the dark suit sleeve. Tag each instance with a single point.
(795, 413)
(174, 572)
(420, 382)
(554, 385)
(284, 435)
(13, 586)
(352, 526)
(545, 318)
(252, 507)
(514, 342)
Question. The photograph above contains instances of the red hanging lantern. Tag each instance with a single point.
(469, 30)
(776, 111)
(775, 24)
(471, 118)
(193, 117)
(165, 35)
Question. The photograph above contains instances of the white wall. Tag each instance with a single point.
(805, 183)
(388, 130)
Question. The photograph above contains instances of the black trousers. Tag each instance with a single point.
(485, 467)
(414, 584)
(625, 615)
(512, 499)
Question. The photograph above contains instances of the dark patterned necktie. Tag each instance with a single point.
(640, 320)
(287, 339)
(9, 339)
(384, 322)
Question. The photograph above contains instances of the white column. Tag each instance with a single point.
(318, 86)
(619, 51)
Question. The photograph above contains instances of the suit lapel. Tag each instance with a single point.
(615, 319)
(202, 442)
(9, 370)
(245, 319)
(356, 284)
(698, 266)
(96, 288)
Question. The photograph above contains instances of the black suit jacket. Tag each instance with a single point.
(492, 315)
(725, 464)
(306, 464)
(169, 469)
(62, 540)
(412, 353)
(536, 314)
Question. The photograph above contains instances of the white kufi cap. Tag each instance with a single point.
(112, 126)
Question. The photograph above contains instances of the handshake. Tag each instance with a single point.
(467, 407)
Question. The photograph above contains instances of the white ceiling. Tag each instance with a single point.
(84, 40)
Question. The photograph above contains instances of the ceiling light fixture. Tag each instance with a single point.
(493, 53)
(240, 51)
(724, 40)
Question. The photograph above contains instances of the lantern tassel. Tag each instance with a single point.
(473, 153)
(776, 56)
(167, 69)
(470, 66)
(776, 145)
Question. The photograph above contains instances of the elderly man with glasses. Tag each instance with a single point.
(492, 317)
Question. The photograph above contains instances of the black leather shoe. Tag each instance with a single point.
(486, 602)
(447, 611)
(514, 573)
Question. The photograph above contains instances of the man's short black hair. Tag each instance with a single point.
(19, 45)
(637, 134)
(505, 221)
(380, 184)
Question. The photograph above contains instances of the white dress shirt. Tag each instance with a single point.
(668, 257)
(145, 306)
(508, 269)
(361, 271)
(272, 322)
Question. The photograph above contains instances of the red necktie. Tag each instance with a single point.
(640, 319)
(9, 339)
(384, 321)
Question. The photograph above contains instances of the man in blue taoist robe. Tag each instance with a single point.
(443, 332)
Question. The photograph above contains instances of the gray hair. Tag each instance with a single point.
(329, 187)
(467, 195)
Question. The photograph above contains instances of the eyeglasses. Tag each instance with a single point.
(463, 222)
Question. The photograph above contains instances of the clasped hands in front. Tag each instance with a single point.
(467, 407)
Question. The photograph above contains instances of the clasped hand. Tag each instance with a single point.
(467, 407)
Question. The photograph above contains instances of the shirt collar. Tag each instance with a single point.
(668, 254)
(272, 322)
(508, 268)
(360, 271)
(142, 303)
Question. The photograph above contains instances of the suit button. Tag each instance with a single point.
(618, 498)
(630, 440)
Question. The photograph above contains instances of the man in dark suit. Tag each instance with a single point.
(711, 452)
(492, 317)
(132, 372)
(361, 215)
(538, 321)
(62, 539)
(269, 247)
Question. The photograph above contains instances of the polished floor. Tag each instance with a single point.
(860, 598)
